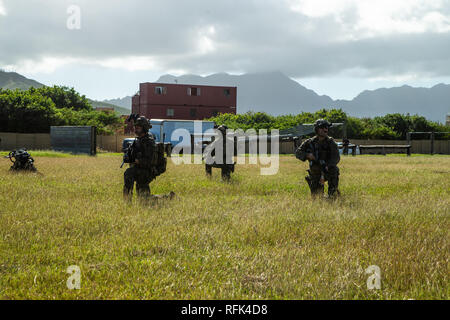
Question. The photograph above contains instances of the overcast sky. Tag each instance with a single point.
(335, 47)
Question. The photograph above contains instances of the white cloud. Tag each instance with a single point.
(44, 65)
(129, 63)
(438, 21)
(205, 41)
(401, 78)
(177, 72)
(302, 38)
(320, 8)
(381, 17)
(2, 9)
(48, 65)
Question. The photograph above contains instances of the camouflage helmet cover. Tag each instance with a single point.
(321, 123)
(143, 122)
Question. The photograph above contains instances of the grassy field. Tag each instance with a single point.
(258, 237)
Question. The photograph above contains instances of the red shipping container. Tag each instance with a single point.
(183, 102)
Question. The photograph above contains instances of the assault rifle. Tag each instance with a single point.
(129, 154)
(323, 166)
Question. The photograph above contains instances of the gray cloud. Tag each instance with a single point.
(248, 36)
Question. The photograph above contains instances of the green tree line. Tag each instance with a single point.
(390, 127)
(35, 110)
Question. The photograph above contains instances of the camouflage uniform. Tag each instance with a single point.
(327, 150)
(227, 164)
(142, 173)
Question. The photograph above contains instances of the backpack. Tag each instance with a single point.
(159, 162)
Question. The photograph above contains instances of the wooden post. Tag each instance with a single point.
(432, 143)
(408, 151)
(93, 141)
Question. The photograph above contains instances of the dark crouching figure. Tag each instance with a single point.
(147, 161)
(22, 161)
(213, 158)
(322, 152)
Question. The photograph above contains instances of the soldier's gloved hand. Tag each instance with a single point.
(310, 157)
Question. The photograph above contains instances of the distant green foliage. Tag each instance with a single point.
(390, 126)
(35, 110)
(64, 97)
(261, 120)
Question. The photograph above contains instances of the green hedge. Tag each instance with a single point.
(35, 110)
(390, 127)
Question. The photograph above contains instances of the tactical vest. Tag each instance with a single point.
(324, 150)
(320, 150)
(158, 162)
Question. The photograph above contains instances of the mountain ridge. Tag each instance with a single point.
(433, 103)
(13, 80)
(277, 94)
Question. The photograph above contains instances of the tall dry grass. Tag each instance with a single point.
(258, 237)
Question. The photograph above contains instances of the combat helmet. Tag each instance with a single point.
(322, 123)
(143, 122)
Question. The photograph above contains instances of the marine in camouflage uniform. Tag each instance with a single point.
(141, 170)
(227, 164)
(323, 153)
